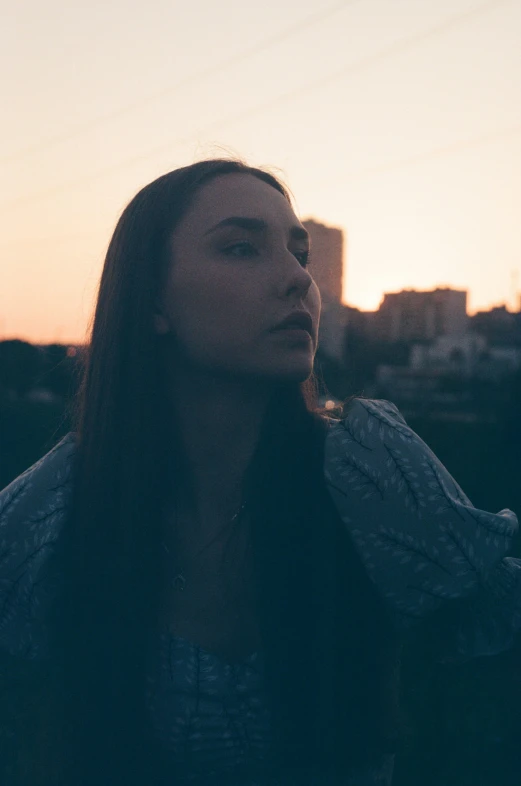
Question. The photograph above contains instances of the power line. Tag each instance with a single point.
(273, 40)
(397, 48)
(428, 155)
(352, 68)
(40, 241)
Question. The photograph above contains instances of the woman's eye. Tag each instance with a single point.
(303, 257)
(242, 249)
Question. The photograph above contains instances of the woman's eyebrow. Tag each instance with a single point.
(256, 225)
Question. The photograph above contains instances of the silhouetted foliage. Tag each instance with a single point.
(20, 365)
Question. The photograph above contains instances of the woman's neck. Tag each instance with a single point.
(218, 423)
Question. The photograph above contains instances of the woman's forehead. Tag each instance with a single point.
(238, 195)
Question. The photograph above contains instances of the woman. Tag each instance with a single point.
(218, 572)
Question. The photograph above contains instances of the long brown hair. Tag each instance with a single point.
(328, 645)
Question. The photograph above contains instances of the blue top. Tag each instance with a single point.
(421, 540)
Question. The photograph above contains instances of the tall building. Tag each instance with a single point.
(327, 259)
(411, 315)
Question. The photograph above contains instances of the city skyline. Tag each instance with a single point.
(399, 123)
(331, 311)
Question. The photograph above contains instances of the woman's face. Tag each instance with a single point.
(238, 269)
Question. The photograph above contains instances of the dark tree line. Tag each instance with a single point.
(25, 367)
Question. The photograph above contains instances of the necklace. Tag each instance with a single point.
(179, 580)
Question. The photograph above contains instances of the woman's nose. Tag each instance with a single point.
(298, 279)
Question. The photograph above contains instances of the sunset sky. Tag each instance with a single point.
(397, 120)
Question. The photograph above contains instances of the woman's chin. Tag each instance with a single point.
(293, 372)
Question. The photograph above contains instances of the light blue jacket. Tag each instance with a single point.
(421, 540)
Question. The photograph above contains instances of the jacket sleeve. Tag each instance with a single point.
(423, 543)
(32, 511)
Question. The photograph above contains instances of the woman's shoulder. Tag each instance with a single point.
(364, 429)
(33, 508)
(29, 504)
(419, 535)
(373, 435)
(56, 461)
(359, 413)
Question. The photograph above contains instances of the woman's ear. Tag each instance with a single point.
(161, 325)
